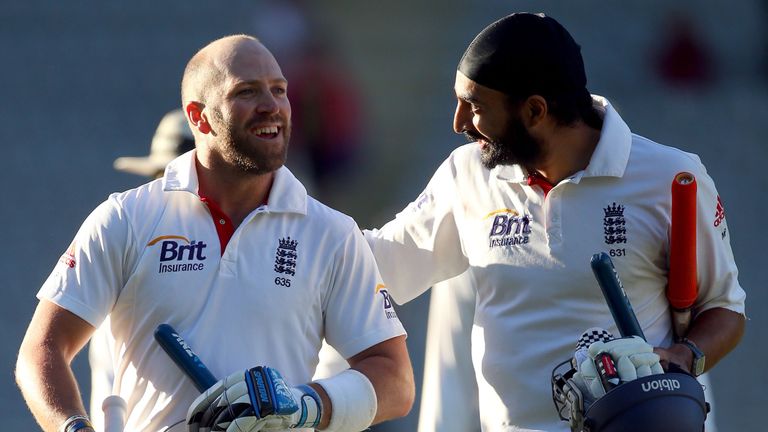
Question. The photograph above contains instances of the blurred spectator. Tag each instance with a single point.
(284, 26)
(327, 114)
(325, 101)
(172, 138)
(684, 59)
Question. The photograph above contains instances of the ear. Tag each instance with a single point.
(197, 118)
(535, 110)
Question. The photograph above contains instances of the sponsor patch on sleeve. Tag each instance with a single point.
(719, 212)
(720, 217)
(389, 310)
(68, 258)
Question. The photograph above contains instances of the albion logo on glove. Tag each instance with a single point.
(667, 384)
(508, 228)
(179, 248)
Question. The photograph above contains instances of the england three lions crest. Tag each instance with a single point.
(286, 256)
(614, 224)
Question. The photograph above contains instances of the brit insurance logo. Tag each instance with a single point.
(389, 310)
(509, 228)
(285, 260)
(179, 254)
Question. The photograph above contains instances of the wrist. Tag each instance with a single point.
(310, 407)
(682, 355)
(696, 357)
(353, 400)
(77, 423)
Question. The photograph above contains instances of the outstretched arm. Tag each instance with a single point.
(43, 373)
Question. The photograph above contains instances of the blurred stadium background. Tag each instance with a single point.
(86, 82)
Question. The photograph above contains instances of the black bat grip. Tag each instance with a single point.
(186, 359)
(614, 294)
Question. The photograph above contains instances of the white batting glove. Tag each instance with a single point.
(630, 357)
(634, 358)
(588, 381)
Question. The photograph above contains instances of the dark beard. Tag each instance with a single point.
(516, 146)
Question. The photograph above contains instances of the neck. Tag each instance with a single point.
(237, 193)
(567, 151)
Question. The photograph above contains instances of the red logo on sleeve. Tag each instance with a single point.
(719, 212)
(69, 256)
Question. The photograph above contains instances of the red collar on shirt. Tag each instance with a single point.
(535, 179)
(224, 226)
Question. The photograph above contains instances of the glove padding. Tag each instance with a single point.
(632, 356)
(257, 400)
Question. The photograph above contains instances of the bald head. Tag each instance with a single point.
(210, 64)
(236, 101)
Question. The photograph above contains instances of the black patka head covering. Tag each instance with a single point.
(524, 54)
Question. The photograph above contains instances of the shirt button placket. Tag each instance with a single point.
(554, 227)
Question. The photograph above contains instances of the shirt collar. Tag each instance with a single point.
(287, 195)
(612, 152)
(609, 158)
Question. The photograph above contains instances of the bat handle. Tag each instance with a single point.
(681, 319)
(115, 413)
(181, 354)
(614, 294)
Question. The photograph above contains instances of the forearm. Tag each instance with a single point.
(48, 386)
(394, 386)
(43, 371)
(384, 378)
(716, 332)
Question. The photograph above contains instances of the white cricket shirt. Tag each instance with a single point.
(529, 257)
(293, 272)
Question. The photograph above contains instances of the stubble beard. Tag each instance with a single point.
(252, 158)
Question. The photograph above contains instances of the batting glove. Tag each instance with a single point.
(614, 362)
(634, 357)
(257, 400)
(627, 359)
